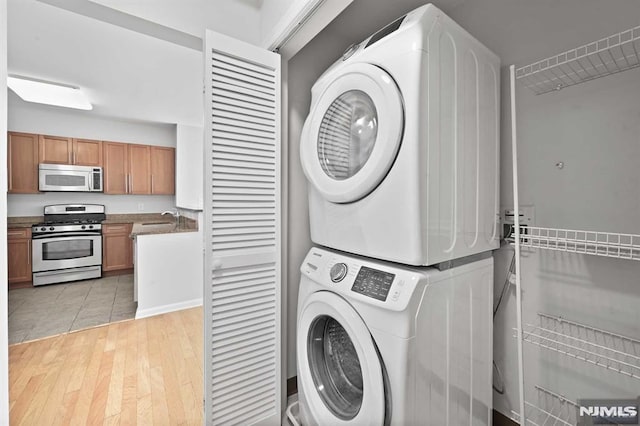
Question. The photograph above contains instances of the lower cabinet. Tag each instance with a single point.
(19, 256)
(117, 247)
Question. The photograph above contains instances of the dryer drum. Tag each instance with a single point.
(335, 367)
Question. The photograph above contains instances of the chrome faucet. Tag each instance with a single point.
(175, 213)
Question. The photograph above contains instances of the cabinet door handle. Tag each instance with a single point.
(29, 254)
(74, 158)
(152, 184)
(131, 184)
(70, 158)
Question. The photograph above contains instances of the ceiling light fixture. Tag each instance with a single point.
(48, 93)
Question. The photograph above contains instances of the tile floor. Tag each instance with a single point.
(58, 308)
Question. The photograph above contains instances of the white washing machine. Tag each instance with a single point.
(382, 344)
(401, 145)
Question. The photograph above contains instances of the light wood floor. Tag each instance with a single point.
(140, 372)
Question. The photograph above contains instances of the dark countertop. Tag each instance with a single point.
(137, 219)
(23, 221)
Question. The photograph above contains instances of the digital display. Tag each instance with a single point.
(373, 283)
(385, 31)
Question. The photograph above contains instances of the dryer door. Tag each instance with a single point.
(353, 133)
(339, 369)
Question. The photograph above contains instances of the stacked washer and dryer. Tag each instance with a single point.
(401, 151)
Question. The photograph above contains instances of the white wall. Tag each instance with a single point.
(4, 341)
(271, 13)
(41, 119)
(189, 167)
(169, 272)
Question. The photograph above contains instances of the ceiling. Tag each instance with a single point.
(128, 57)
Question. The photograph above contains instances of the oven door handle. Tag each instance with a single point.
(65, 235)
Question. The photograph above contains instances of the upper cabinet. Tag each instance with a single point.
(61, 150)
(127, 168)
(163, 170)
(55, 150)
(116, 168)
(87, 152)
(138, 169)
(22, 167)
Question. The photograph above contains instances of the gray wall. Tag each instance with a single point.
(41, 119)
(593, 128)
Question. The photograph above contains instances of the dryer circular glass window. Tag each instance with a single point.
(353, 132)
(335, 367)
(347, 134)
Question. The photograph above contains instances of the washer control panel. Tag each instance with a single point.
(338, 272)
(373, 283)
(358, 279)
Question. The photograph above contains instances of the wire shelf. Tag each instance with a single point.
(612, 351)
(607, 244)
(616, 53)
(552, 409)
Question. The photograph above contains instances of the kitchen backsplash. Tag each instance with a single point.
(33, 204)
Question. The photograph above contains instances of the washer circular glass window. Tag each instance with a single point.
(347, 134)
(335, 367)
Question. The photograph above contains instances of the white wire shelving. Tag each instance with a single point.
(610, 55)
(607, 244)
(598, 347)
(551, 409)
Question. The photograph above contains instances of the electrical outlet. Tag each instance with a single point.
(527, 218)
(140, 207)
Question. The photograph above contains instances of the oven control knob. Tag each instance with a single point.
(83, 227)
(43, 229)
(52, 228)
(90, 226)
(338, 272)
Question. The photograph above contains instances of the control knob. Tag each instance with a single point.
(90, 226)
(83, 227)
(43, 229)
(52, 228)
(338, 272)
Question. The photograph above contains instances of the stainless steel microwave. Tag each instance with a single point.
(68, 178)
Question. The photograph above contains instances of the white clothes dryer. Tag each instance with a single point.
(401, 144)
(380, 344)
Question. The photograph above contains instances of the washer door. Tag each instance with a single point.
(353, 133)
(339, 368)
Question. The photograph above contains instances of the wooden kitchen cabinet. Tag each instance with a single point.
(139, 169)
(127, 168)
(19, 256)
(61, 150)
(116, 166)
(117, 247)
(56, 150)
(163, 170)
(22, 159)
(87, 152)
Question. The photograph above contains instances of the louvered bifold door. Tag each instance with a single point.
(243, 383)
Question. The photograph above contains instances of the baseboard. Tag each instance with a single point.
(500, 419)
(163, 309)
(118, 272)
(292, 385)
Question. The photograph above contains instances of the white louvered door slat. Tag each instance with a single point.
(243, 323)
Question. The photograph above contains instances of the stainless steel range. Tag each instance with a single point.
(67, 246)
